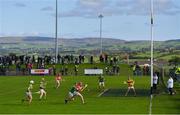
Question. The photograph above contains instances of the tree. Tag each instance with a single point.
(174, 61)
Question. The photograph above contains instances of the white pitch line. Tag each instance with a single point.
(102, 92)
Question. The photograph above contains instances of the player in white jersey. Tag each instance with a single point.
(29, 93)
(42, 87)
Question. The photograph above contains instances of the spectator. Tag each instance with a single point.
(66, 70)
(91, 60)
(111, 61)
(29, 67)
(62, 70)
(117, 70)
(54, 69)
(76, 69)
(18, 67)
(155, 81)
(107, 70)
(177, 74)
(170, 84)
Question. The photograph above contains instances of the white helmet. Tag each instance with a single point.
(31, 82)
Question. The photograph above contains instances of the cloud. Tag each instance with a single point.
(1, 34)
(85, 8)
(48, 8)
(33, 33)
(92, 8)
(90, 2)
(20, 5)
(165, 7)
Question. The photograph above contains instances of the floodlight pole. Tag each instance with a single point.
(100, 31)
(56, 33)
(152, 45)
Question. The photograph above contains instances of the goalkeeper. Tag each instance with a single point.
(130, 83)
(76, 91)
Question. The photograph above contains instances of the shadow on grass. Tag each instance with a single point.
(121, 93)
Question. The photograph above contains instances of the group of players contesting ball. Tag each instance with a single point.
(75, 91)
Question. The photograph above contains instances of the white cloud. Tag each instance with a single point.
(20, 5)
(21, 34)
(91, 8)
(93, 3)
(35, 33)
(48, 8)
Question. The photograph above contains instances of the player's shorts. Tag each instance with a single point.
(101, 83)
(71, 94)
(42, 91)
(29, 94)
(130, 87)
(76, 93)
(58, 81)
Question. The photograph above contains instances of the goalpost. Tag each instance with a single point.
(152, 46)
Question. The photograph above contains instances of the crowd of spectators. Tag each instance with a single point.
(23, 64)
(139, 71)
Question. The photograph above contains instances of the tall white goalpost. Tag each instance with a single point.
(152, 44)
(152, 48)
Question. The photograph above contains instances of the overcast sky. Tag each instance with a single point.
(123, 19)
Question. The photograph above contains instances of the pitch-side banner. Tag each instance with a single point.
(39, 71)
(93, 71)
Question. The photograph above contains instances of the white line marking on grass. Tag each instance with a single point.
(102, 92)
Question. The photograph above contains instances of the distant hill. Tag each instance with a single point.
(83, 43)
(176, 40)
(37, 39)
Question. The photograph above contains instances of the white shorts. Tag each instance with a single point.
(57, 81)
(29, 94)
(76, 93)
(42, 91)
(131, 87)
(101, 83)
(71, 94)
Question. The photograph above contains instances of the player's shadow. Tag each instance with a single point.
(57, 103)
(121, 93)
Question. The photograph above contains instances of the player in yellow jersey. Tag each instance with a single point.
(130, 83)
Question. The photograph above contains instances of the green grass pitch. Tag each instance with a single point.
(12, 90)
